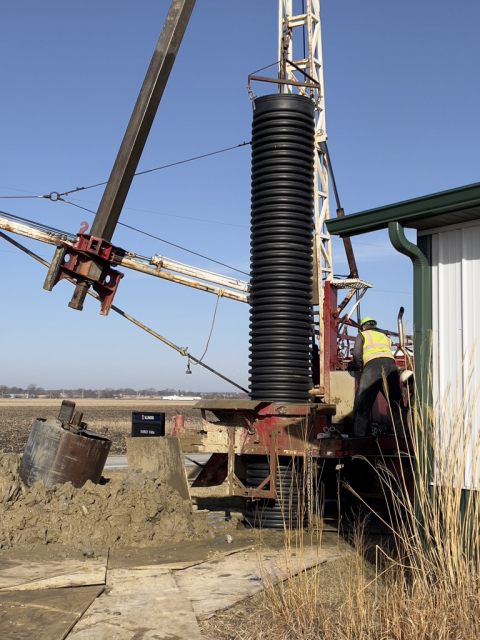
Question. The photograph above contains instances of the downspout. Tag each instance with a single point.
(422, 304)
(422, 319)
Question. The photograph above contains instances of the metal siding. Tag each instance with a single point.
(455, 274)
(446, 358)
(471, 354)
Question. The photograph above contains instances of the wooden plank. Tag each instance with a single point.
(16, 575)
(218, 585)
(43, 615)
(176, 565)
(139, 604)
(178, 555)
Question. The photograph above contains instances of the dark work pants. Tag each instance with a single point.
(371, 382)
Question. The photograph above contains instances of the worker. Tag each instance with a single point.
(372, 352)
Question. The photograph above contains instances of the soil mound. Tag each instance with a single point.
(132, 509)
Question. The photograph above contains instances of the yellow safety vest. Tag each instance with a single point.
(375, 345)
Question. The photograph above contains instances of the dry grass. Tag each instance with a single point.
(423, 586)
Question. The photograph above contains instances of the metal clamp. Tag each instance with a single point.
(54, 196)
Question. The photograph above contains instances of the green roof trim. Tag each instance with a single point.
(427, 212)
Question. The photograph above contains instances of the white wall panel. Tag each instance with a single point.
(456, 361)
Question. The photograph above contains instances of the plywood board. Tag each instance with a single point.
(178, 556)
(213, 586)
(43, 615)
(143, 604)
(16, 574)
(176, 565)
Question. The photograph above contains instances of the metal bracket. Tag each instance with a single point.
(89, 264)
(71, 420)
(266, 489)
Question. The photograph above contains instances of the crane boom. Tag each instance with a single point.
(157, 266)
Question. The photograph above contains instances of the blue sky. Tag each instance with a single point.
(402, 120)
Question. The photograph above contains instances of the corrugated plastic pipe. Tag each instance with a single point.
(281, 248)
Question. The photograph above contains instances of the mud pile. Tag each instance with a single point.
(132, 509)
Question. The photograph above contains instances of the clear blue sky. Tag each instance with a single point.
(402, 119)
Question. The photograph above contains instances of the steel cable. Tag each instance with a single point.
(180, 350)
(165, 166)
(59, 197)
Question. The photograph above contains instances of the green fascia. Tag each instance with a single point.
(407, 212)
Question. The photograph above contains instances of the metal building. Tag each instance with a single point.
(446, 279)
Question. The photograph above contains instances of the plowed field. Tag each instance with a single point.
(109, 418)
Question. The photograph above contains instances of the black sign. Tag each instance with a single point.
(145, 425)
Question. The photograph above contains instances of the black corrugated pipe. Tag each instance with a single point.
(281, 248)
(287, 511)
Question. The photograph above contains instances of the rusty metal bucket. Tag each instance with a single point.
(61, 450)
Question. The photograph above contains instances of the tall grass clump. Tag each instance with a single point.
(424, 584)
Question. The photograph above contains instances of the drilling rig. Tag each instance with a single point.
(289, 442)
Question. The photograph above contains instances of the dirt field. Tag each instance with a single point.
(109, 418)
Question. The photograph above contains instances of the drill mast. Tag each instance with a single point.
(300, 69)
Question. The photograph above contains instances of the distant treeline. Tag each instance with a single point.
(34, 391)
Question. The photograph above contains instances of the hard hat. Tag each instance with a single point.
(368, 321)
